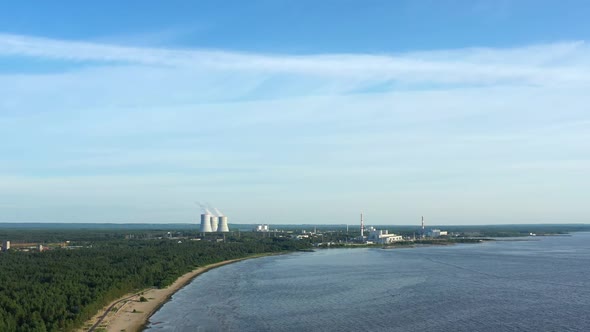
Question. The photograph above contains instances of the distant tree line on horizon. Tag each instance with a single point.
(51, 233)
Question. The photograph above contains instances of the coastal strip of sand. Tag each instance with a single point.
(130, 314)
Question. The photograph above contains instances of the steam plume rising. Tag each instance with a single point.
(211, 208)
(204, 208)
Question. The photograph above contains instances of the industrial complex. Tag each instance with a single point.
(377, 235)
(262, 228)
(380, 236)
(211, 223)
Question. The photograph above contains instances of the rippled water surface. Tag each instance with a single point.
(541, 284)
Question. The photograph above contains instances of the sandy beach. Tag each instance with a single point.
(129, 314)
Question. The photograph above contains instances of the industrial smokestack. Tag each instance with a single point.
(223, 228)
(205, 223)
(214, 223)
(362, 226)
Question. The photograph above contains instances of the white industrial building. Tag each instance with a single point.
(382, 236)
(262, 228)
(5, 245)
(436, 233)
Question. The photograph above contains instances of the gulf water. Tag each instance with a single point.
(530, 284)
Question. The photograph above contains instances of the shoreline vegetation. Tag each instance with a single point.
(407, 243)
(430, 243)
(62, 277)
(60, 287)
(131, 312)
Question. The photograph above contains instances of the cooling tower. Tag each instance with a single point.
(205, 223)
(214, 224)
(223, 225)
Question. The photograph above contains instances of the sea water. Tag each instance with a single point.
(528, 284)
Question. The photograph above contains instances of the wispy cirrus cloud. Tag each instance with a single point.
(161, 124)
(535, 64)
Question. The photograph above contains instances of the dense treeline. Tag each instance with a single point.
(60, 289)
(61, 235)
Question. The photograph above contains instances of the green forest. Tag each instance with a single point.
(60, 289)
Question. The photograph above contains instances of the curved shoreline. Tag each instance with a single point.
(133, 315)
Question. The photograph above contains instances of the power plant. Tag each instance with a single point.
(223, 227)
(213, 222)
(206, 223)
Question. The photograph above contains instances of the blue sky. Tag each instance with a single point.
(466, 112)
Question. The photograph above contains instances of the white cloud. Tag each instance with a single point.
(136, 128)
(532, 64)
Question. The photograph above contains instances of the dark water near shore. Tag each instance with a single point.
(541, 284)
